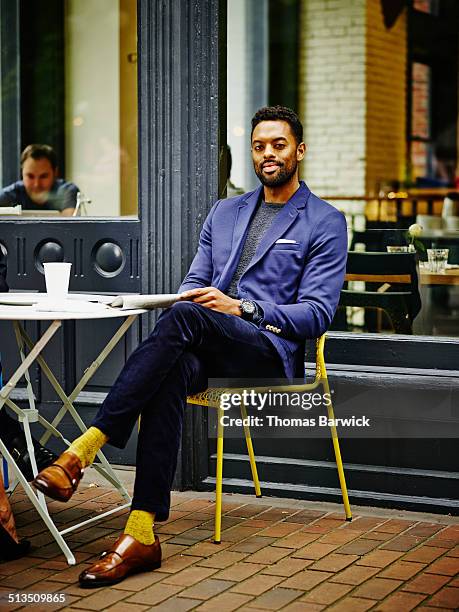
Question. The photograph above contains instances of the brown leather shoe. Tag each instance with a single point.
(61, 479)
(10, 546)
(127, 556)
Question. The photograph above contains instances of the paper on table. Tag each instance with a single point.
(158, 300)
(12, 300)
(28, 299)
(88, 302)
(68, 306)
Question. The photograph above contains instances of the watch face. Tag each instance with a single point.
(248, 307)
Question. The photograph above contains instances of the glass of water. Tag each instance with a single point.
(437, 259)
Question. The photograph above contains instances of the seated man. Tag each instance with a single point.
(267, 275)
(40, 189)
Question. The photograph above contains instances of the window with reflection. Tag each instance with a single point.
(77, 77)
(375, 85)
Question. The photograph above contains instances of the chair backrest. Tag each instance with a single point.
(398, 270)
(381, 264)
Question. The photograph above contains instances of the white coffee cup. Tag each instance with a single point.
(57, 276)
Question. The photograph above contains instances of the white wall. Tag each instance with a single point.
(236, 87)
(332, 95)
(92, 102)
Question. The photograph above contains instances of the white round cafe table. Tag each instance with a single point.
(26, 312)
(16, 314)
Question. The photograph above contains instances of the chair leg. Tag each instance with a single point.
(219, 478)
(339, 462)
(253, 465)
(399, 320)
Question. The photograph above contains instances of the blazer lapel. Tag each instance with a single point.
(244, 213)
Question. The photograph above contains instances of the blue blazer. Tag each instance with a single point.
(295, 275)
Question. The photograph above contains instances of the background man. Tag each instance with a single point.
(267, 275)
(40, 189)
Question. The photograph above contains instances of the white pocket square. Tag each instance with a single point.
(286, 241)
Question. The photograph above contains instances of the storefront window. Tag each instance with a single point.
(101, 103)
(378, 100)
(78, 94)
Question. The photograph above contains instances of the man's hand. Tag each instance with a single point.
(212, 298)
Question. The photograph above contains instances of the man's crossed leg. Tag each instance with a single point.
(190, 343)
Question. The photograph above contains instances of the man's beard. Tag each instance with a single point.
(40, 197)
(279, 178)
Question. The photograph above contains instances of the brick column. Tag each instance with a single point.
(386, 53)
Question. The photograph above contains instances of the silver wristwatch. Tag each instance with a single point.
(248, 310)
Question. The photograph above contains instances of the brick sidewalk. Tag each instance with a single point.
(275, 554)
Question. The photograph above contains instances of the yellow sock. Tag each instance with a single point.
(140, 526)
(86, 446)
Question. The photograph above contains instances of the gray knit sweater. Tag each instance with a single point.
(261, 221)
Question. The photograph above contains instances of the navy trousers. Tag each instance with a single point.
(189, 345)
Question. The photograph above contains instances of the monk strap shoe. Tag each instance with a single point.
(126, 557)
(61, 479)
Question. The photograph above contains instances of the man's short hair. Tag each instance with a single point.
(279, 113)
(39, 151)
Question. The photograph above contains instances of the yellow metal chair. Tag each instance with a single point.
(211, 398)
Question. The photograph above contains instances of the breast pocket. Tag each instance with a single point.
(286, 246)
(285, 259)
(282, 269)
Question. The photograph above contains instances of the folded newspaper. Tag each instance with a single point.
(159, 300)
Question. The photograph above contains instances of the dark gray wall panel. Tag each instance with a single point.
(179, 127)
(103, 252)
(182, 139)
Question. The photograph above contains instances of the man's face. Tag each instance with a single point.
(275, 153)
(38, 176)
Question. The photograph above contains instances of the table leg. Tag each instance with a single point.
(23, 370)
(19, 341)
(105, 469)
(88, 374)
(38, 507)
(31, 357)
(27, 415)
